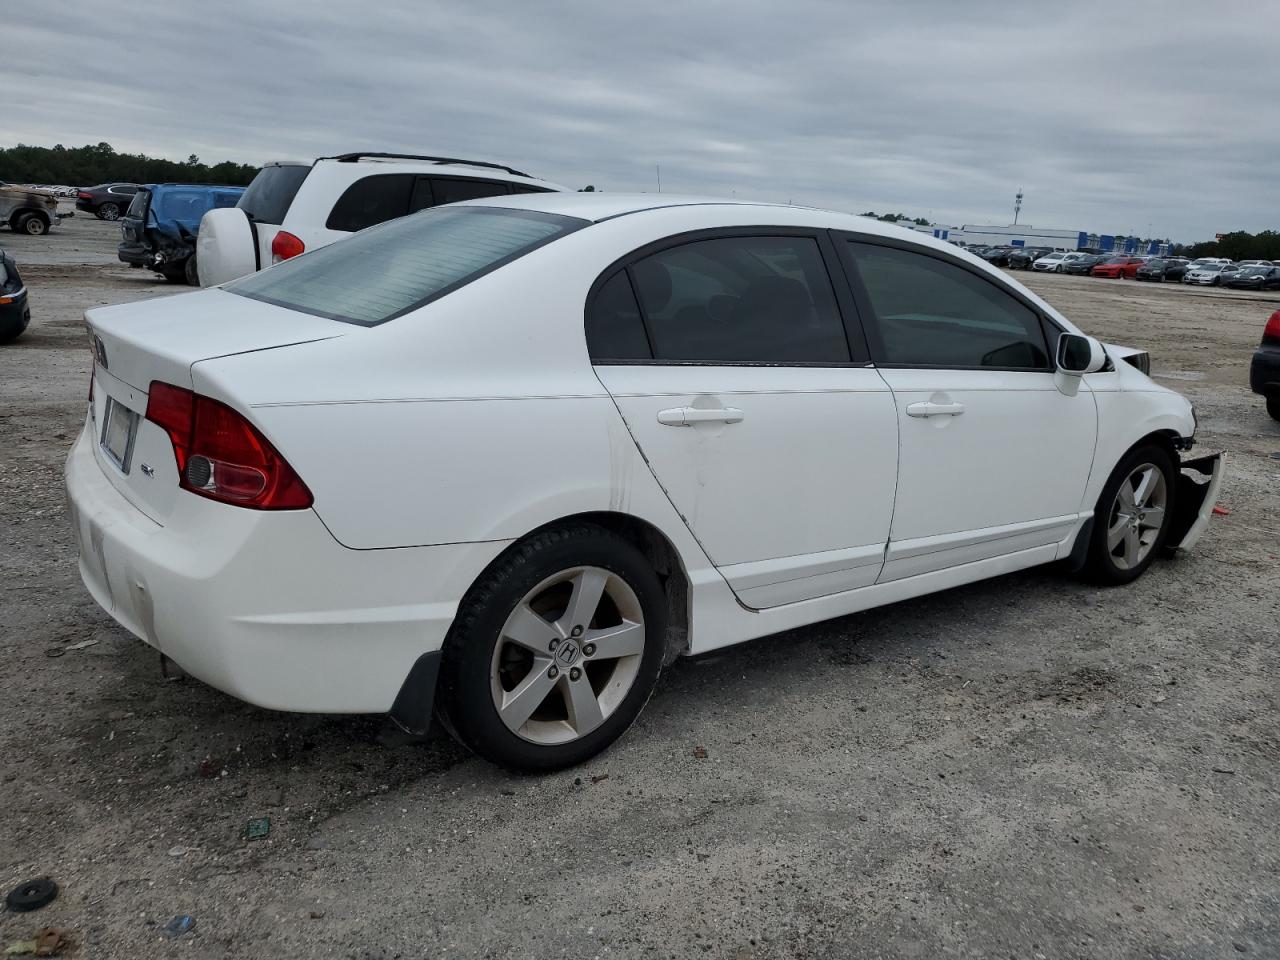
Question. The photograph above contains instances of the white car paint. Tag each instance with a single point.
(433, 441)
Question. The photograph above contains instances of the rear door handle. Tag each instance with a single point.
(687, 416)
(930, 409)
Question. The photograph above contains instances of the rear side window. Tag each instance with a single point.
(741, 300)
(372, 200)
(615, 330)
(932, 313)
(138, 205)
(396, 267)
(450, 190)
(268, 197)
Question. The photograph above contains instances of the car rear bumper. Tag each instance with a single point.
(1264, 372)
(135, 253)
(265, 605)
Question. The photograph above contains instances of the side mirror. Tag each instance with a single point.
(1076, 356)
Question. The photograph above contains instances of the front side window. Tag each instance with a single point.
(397, 267)
(933, 313)
(740, 300)
(372, 200)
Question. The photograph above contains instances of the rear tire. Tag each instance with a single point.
(190, 272)
(1273, 407)
(1127, 533)
(563, 691)
(108, 211)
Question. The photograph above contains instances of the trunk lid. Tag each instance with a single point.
(161, 339)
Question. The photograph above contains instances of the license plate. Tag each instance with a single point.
(120, 424)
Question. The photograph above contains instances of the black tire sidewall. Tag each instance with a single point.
(1273, 407)
(1101, 566)
(464, 696)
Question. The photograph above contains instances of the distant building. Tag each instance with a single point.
(1025, 235)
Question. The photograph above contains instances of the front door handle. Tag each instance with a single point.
(688, 416)
(930, 409)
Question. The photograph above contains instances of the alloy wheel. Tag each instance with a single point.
(1137, 516)
(567, 655)
(109, 211)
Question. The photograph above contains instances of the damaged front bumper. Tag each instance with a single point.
(1199, 480)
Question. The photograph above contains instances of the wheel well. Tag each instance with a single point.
(664, 559)
(1165, 439)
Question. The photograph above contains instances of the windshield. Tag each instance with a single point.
(1156, 263)
(1120, 260)
(389, 269)
(1255, 271)
(1053, 256)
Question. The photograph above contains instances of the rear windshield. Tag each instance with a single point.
(267, 198)
(394, 267)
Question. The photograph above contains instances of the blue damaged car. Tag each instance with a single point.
(159, 230)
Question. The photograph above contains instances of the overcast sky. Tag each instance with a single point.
(1110, 116)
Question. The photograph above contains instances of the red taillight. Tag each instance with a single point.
(221, 455)
(1272, 330)
(285, 245)
(84, 195)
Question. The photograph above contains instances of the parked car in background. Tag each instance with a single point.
(1209, 274)
(1264, 373)
(15, 313)
(1160, 269)
(998, 256)
(1021, 258)
(28, 210)
(1117, 268)
(1084, 265)
(106, 201)
(1254, 263)
(1056, 261)
(1254, 278)
(290, 208)
(1175, 268)
(493, 459)
(159, 229)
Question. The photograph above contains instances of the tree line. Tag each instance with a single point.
(1240, 245)
(99, 163)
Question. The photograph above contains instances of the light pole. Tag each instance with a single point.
(1017, 207)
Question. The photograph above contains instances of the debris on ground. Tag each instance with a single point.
(31, 895)
(1221, 512)
(81, 645)
(48, 941)
(208, 769)
(257, 829)
(600, 778)
(182, 923)
(700, 753)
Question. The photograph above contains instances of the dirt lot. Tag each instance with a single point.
(1024, 768)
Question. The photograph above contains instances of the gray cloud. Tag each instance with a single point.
(1110, 117)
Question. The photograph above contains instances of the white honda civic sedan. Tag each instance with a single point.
(497, 461)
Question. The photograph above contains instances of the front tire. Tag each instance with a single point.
(190, 273)
(554, 651)
(1131, 520)
(33, 225)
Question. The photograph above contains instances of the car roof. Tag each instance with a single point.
(447, 166)
(598, 207)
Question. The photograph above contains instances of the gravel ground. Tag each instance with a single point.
(1025, 768)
